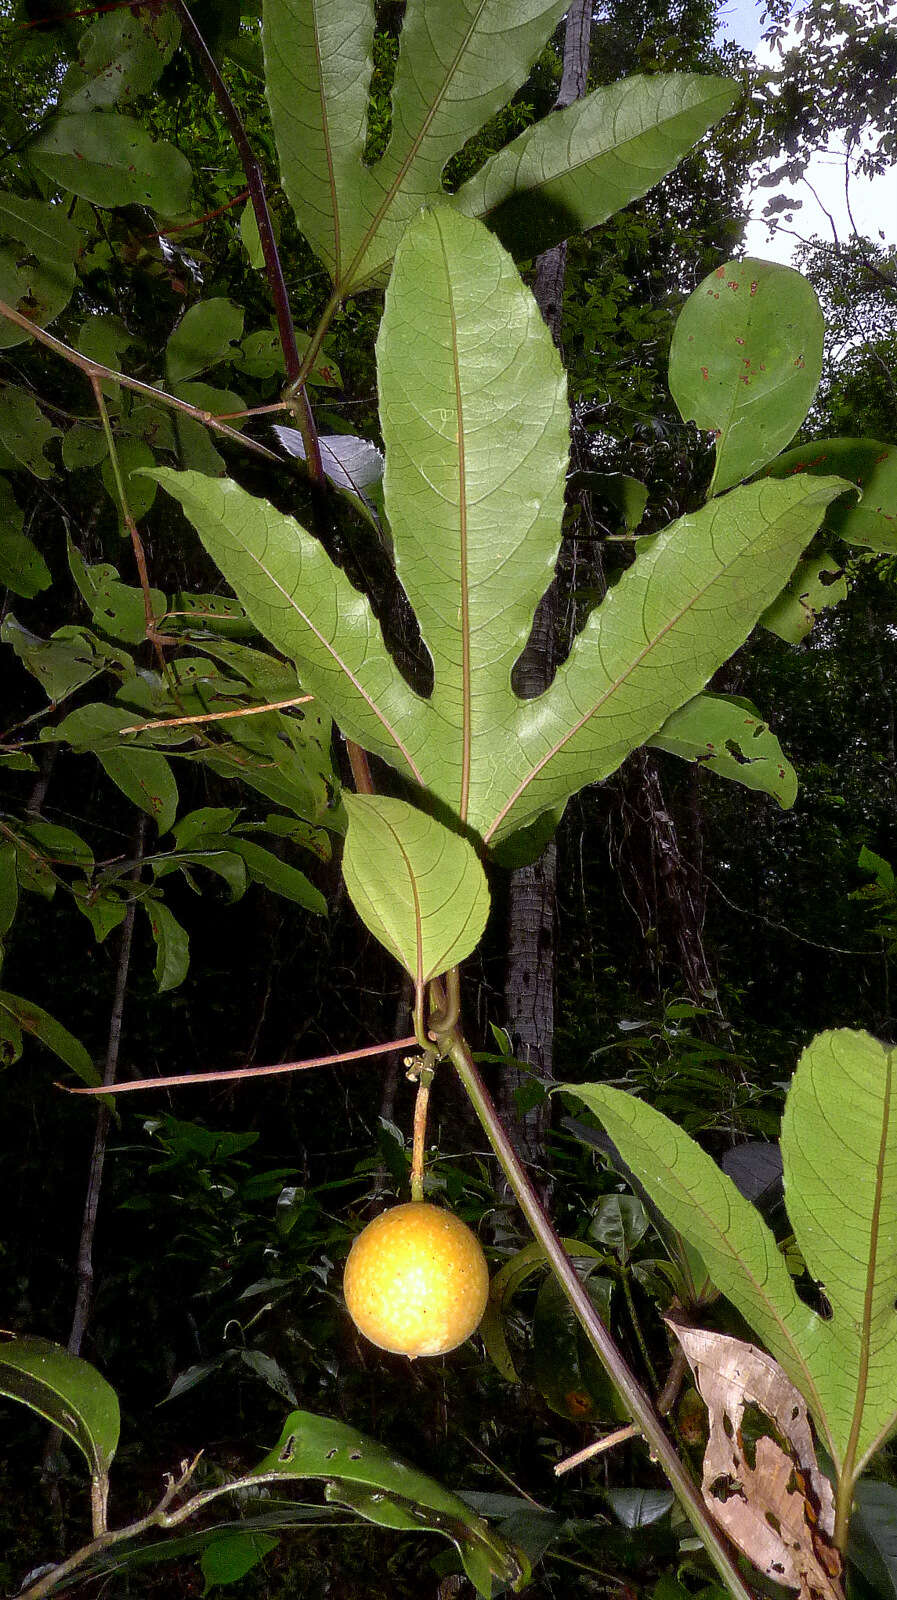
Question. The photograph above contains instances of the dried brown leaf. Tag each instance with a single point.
(779, 1510)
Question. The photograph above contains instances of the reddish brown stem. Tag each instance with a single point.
(255, 183)
(183, 1080)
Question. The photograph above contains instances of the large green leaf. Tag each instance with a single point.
(577, 167)
(419, 888)
(728, 737)
(839, 1151)
(704, 1205)
(475, 422)
(110, 160)
(870, 520)
(65, 1390)
(459, 62)
(386, 1490)
(745, 362)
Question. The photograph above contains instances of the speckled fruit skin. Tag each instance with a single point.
(416, 1281)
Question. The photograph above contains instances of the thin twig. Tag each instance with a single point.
(299, 403)
(218, 716)
(85, 1271)
(155, 638)
(234, 1075)
(95, 369)
(597, 1448)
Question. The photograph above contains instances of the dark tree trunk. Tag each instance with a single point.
(530, 974)
(663, 881)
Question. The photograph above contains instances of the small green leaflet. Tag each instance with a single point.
(143, 775)
(172, 945)
(67, 1392)
(745, 362)
(22, 567)
(30, 1018)
(206, 335)
(419, 888)
(25, 431)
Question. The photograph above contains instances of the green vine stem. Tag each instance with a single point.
(453, 1044)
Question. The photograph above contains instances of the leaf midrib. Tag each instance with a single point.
(405, 166)
(810, 1390)
(618, 682)
(336, 657)
(850, 1454)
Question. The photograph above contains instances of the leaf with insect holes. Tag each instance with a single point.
(386, 1490)
(417, 886)
(120, 56)
(727, 736)
(459, 62)
(745, 362)
(870, 520)
(778, 1507)
(816, 583)
(476, 424)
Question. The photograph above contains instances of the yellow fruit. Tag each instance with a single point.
(416, 1281)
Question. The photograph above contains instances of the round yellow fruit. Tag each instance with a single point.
(416, 1281)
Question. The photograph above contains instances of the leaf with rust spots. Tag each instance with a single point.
(779, 1510)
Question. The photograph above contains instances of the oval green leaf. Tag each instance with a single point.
(419, 888)
(109, 159)
(745, 362)
(68, 1392)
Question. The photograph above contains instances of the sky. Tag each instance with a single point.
(873, 202)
